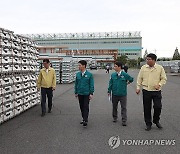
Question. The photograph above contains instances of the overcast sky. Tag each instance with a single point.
(158, 20)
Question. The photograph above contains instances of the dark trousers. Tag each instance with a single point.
(148, 97)
(49, 93)
(107, 71)
(123, 101)
(84, 106)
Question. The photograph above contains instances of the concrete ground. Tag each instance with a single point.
(60, 132)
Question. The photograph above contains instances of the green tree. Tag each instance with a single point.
(145, 54)
(132, 63)
(176, 55)
(139, 60)
(123, 59)
(163, 59)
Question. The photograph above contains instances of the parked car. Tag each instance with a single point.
(93, 67)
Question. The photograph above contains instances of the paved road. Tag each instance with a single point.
(61, 133)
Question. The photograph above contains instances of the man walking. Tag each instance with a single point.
(125, 68)
(47, 82)
(107, 69)
(118, 87)
(151, 78)
(84, 89)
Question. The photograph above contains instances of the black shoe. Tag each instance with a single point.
(148, 128)
(84, 124)
(43, 114)
(158, 125)
(115, 120)
(49, 111)
(124, 124)
(81, 122)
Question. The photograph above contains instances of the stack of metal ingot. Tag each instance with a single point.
(39, 67)
(172, 66)
(75, 69)
(69, 69)
(57, 67)
(175, 66)
(18, 66)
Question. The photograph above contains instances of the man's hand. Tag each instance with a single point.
(157, 87)
(137, 91)
(90, 97)
(109, 94)
(76, 95)
(53, 88)
(128, 82)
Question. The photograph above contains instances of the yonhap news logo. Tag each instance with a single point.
(115, 142)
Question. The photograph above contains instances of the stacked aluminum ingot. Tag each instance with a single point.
(39, 67)
(171, 66)
(57, 67)
(75, 69)
(175, 66)
(18, 66)
(69, 69)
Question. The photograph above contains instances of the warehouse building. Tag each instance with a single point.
(124, 43)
